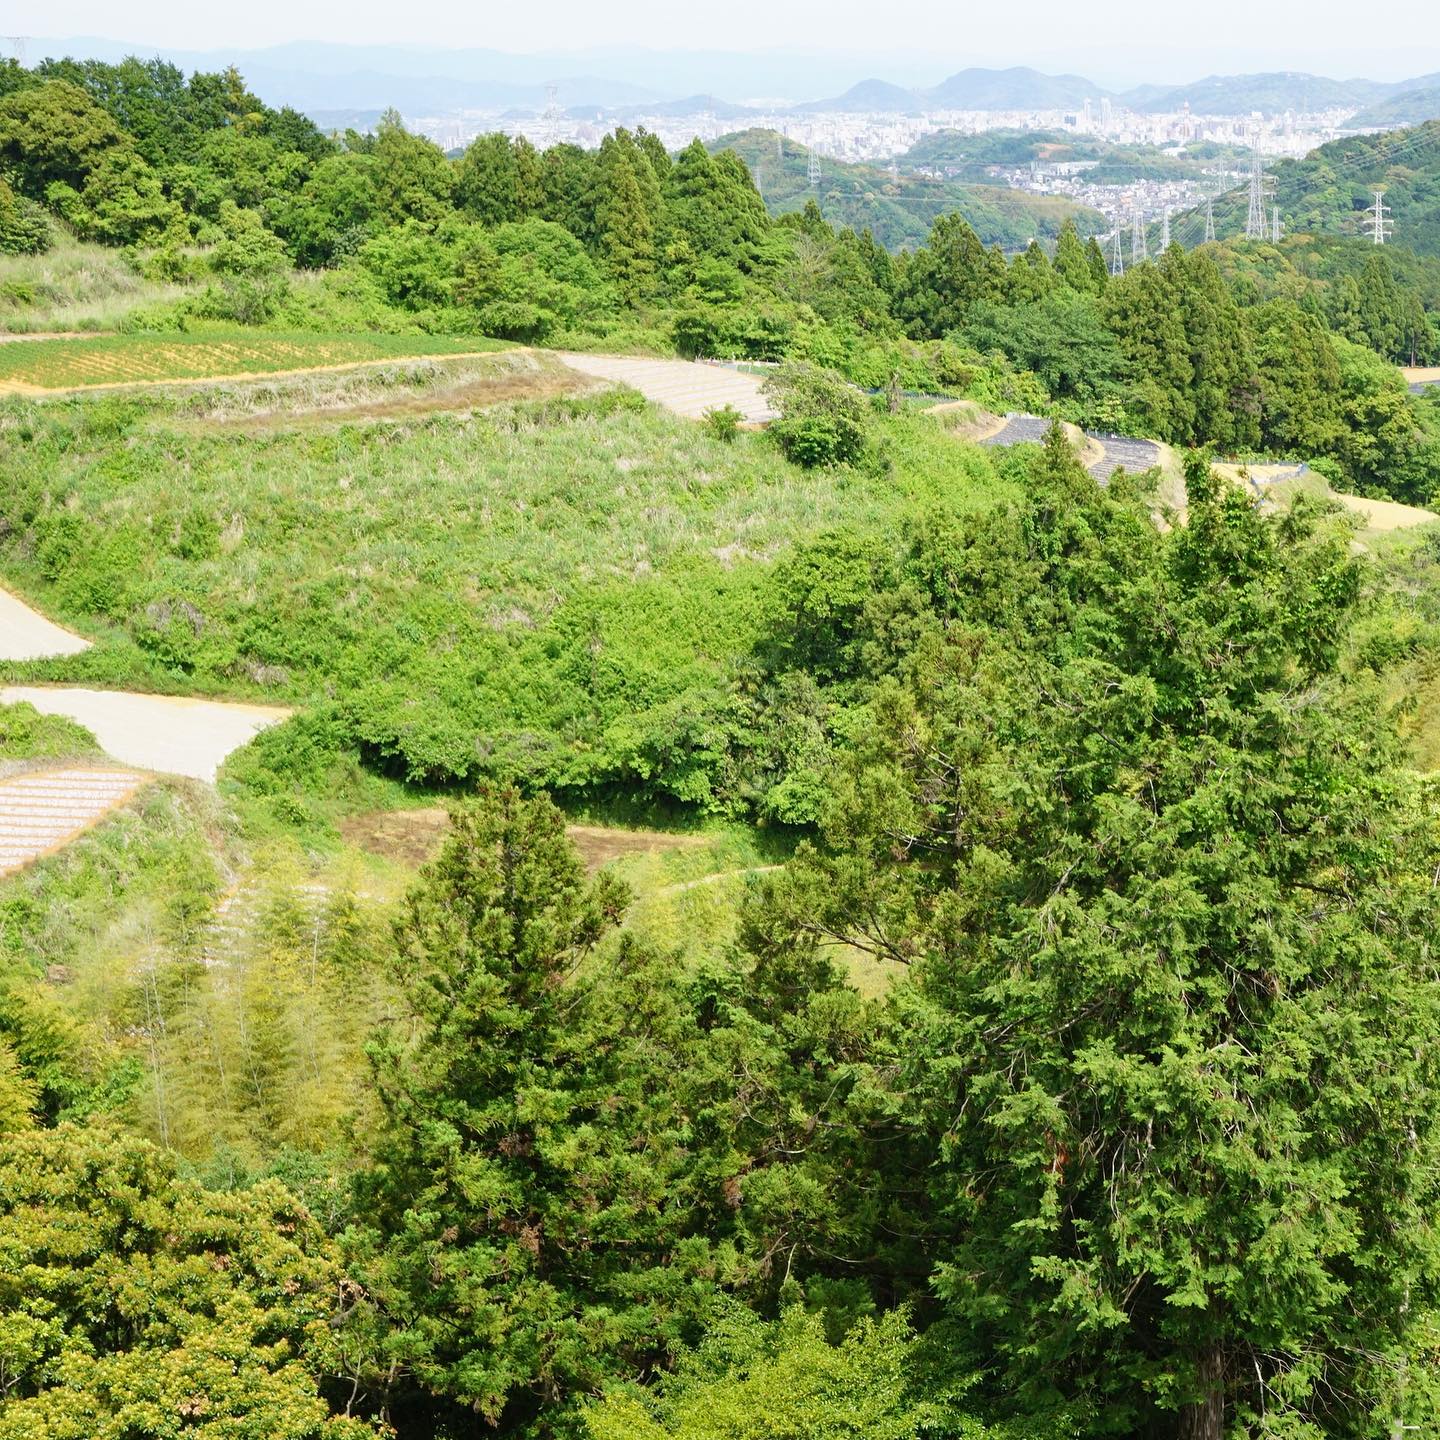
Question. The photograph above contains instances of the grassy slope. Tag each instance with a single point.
(73, 287)
(268, 538)
(532, 571)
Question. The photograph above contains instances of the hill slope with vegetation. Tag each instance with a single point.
(1014, 1015)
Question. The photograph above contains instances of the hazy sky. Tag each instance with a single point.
(1110, 40)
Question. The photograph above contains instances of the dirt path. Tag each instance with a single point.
(171, 734)
(25, 634)
(415, 836)
(43, 810)
(685, 387)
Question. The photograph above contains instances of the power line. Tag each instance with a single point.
(1165, 231)
(1209, 220)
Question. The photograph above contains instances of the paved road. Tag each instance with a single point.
(684, 386)
(171, 734)
(26, 635)
(1119, 450)
(45, 809)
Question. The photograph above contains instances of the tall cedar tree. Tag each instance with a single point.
(1171, 1026)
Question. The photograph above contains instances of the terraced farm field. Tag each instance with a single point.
(30, 366)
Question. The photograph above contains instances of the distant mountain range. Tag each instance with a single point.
(627, 83)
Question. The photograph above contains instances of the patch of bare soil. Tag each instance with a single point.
(414, 836)
(476, 393)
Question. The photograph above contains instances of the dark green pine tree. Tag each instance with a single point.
(1142, 308)
(1224, 389)
(627, 215)
(1164, 881)
(1071, 262)
(1099, 269)
(527, 1191)
(945, 277)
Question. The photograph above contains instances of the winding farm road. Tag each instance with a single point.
(27, 635)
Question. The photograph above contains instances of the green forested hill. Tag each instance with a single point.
(899, 211)
(1331, 190)
(1411, 107)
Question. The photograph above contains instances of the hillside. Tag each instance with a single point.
(1410, 107)
(900, 211)
(871, 97)
(1330, 191)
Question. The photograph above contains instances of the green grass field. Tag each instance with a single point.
(554, 590)
(131, 359)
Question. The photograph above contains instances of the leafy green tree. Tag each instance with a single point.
(1300, 390)
(749, 1380)
(1164, 888)
(1061, 338)
(251, 265)
(23, 227)
(1380, 432)
(54, 134)
(823, 419)
(136, 1303)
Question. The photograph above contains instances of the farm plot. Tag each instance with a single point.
(45, 809)
(38, 366)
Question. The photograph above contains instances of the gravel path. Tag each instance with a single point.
(171, 734)
(684, 386)
(1122, 451)
(1019, 430)
(45, 809)
(1117, 450)
(26, 635)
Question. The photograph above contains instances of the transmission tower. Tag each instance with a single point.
(1209, 220)
(1255, 221)
(1165, 231)
(813, 172)
(1381, 229)
(1137, 239)
(17, 44)
(1275, 225)
(1117, 259)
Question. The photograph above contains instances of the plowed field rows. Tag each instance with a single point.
(139, 359)
(45, 809)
